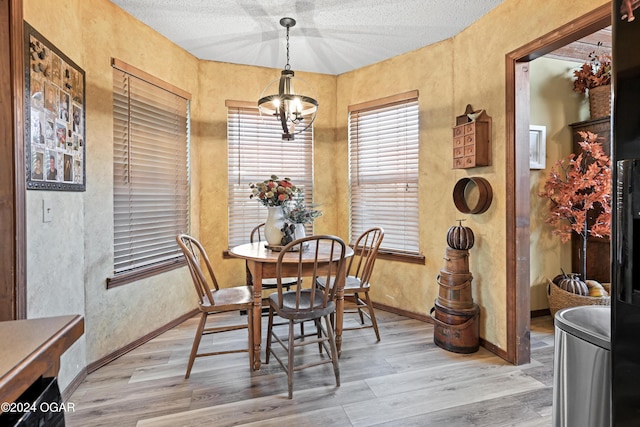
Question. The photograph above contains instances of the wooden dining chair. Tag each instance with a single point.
(212, 299)
(301, 304)
(358, 283)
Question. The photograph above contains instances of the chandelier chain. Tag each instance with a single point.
(287, 67)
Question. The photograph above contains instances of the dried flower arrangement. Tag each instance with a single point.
(593, 73)
(579, 190)
(273, 191)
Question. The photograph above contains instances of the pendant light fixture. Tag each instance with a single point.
(294, 110)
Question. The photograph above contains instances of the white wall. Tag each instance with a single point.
(55, 266)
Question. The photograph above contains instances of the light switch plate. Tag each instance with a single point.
(47, 213)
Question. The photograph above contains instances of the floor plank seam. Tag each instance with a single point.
(403, 380)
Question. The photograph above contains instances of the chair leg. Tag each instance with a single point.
(269, 327)
(334, 350)
(359, 304)
(372, 315)
(318, 323)
(290, 348)
(196, 343)
(250, 333)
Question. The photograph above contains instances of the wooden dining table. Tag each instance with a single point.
(262, 265)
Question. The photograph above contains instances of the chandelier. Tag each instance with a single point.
(295, 111)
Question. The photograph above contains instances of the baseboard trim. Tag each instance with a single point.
(92, 367)
(540, 313)
(494, 349)
(73, 385)
(401, 312)
(424, 318)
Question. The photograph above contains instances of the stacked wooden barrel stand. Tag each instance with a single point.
(455, 315)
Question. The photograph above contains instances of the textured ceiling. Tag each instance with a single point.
(331, 36)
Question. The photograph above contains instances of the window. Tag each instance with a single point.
(150, 173)
(383, 170)
(255, 152)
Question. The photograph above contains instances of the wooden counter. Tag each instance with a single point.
(32, 348)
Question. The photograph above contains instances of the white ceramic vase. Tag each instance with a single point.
(273, 225)
(299, 232)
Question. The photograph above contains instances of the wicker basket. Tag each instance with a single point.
(600, 102)
(559, 298)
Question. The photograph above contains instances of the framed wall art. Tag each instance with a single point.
(537, 147)
(54, 117)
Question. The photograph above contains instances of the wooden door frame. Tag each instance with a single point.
(517, 174)
(13, 304)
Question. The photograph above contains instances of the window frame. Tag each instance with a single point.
(177, 261)
(267, 133)
(356, 118)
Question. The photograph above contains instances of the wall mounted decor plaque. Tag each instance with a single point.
(472, 139)
(54, 117)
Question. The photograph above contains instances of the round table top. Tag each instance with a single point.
(259, 252)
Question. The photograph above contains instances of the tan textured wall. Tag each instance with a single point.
(555, 105)
(469, 69)
(219, 82)
(410, 287)
(479, 79)
(71, 257)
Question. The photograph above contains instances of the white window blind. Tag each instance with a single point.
(150, 172)
(383, 170)
(255, 152)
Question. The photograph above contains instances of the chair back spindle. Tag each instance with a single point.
(196, 257)
(324, 247)
(358, 277)
(365, 254)
(256, 233)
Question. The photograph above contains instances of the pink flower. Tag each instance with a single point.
(273, 191)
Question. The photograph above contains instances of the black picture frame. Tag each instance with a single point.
(55, 125)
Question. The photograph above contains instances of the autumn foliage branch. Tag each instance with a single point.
(579, 191)
(593, 73)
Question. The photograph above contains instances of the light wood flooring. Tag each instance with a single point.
(404, 380)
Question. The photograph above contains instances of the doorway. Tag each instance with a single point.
(12, 191)
(517, 176)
